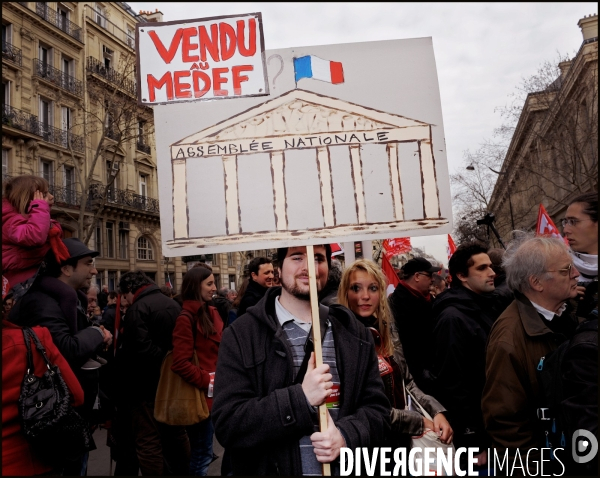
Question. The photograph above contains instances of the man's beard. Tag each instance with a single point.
(295, 290)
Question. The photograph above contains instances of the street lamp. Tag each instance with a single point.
(470, 167)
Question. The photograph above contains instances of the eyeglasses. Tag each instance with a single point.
(565, 271)
(572, 221)
(426, 274)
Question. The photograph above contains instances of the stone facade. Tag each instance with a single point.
(553, 154)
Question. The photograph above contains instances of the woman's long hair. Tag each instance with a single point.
(190, 290)
(19, 191)
(382, 313)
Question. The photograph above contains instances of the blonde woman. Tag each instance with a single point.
(363, 291)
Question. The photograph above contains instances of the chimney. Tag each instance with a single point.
(152, 17)
(564, 67)
(589, 26)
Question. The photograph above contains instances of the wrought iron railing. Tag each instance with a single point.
(67, 196)
(141, 146)
(57, 77)
(61, 138)
(122, 197)
(113, 133)
(99, 19)
(111, 75)
(12, 53)
(16, 118)
(52, 16)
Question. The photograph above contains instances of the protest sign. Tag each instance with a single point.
(348, 146)
(203, 59)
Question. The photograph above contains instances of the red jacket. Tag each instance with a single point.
(207, 349)
(17, 458)
(25, 239)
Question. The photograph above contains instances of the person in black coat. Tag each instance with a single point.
(262, 409)
(463, 317)
(261, 278)
(410, 304)
(146, 339)
(55, 301)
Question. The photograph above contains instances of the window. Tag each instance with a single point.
(6, 92)
(45, 118)
(63, 15)
(217, 280)
(100, 16)
(107, 54)
(4, 162)
(110, 239)
(45, 56)
(111, 193)
(144, 249)
(230, 259)
(100, 279)
(66, 125)
(130, 36)
(69, 184)
(47, 171)
(123, 244)
(98, 237)
(141, 132)
(6, 33)
(143, 185)
(232, 281)
(112, 279)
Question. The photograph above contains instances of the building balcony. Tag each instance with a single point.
(123, 198)
(53, 17)
(143, 147)
(65, 196)
(61, 138)
(12, 53)
(103, 22)
(55, 76)
(112, 133)
(15, 118)
(112, 76)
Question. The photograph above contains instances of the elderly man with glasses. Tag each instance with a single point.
(541, 273)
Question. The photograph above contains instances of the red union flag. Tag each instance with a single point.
(546, 227)
(390, 274)
(393, 247)
(451, 247)
(336, 249)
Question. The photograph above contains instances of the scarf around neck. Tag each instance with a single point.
(586, 264)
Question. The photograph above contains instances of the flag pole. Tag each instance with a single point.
(316, 331)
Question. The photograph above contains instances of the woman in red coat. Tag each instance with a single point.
(17, 457)
(196, 291)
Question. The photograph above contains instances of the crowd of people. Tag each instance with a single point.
(466, 347)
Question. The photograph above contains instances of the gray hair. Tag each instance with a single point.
(527, 255)
(335, 271)
(94, 286)
(224, 291)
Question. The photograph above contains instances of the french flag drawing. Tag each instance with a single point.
(311, 66)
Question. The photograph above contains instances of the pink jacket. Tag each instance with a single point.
(25, 239)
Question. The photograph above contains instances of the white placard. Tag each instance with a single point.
(356, 154)
(202, 59)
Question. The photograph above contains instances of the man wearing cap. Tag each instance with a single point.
(411, 305)
(268, 388)
(55, 301)
(463, 316)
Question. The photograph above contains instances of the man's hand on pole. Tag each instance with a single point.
(328, 443)
(317, 384)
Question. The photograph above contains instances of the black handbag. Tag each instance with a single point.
(54, 430)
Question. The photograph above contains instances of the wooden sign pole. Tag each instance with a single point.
(316, 331)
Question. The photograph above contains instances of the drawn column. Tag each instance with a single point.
(431, 205)
(180, 209)
(326, 186)
(232, 203)
(392, 150)
(278, 190)
(359, 189)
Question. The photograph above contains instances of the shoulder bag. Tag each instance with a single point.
(55, 431)
(179, 402)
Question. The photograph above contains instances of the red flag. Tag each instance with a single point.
(546, 227)
(393, 247)
(390, 274)
(451, 247)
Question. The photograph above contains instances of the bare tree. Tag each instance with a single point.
(110, 121)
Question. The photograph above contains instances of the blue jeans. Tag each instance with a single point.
(201, 445)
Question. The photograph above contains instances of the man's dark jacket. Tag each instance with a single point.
(414, 321)
(254, 292)
(108, 318)
(57, 306)
(260, 415)
(147, 337)
(462, 323)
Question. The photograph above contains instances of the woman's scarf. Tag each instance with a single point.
(587, 265)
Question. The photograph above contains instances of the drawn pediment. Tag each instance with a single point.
(300, 112)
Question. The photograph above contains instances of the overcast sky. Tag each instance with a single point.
(482, 50)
